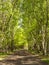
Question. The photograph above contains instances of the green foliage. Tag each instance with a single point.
(45, 59)
(24, 23)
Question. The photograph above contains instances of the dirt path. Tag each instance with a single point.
(22, 58)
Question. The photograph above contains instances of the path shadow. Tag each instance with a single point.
(22, 53)
(22, 58)
(23, 61)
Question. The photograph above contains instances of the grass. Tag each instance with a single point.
(45, 59)
(2, 56)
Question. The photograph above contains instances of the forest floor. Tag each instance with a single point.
(22, 57)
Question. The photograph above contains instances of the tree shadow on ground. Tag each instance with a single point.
(22, 58)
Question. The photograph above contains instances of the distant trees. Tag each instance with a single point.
(25, 22)
(8, 20)
(35, 23)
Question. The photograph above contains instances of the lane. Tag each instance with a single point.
(22, 57)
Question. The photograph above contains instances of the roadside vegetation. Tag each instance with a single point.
(24, 24)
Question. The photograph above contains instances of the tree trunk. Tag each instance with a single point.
(44, 32)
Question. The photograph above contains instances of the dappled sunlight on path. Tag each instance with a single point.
(22, 57)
